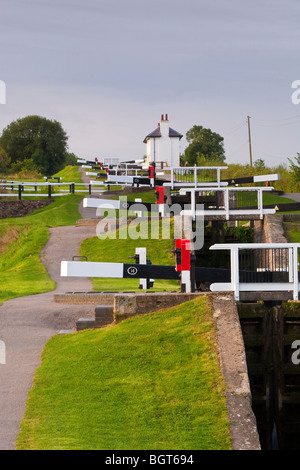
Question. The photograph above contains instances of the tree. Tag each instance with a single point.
(204, 145)
(71, 159)
(4, 161)
(259, 164)
(295, 168)
(37, 138)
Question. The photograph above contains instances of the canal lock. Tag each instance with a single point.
(271, 331)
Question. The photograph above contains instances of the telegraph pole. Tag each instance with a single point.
(249, 133)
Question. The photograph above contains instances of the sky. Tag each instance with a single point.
(108, 69)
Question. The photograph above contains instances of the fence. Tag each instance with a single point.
(261, 267)
(196, 176)
(127, 171)
(228, 202)
(37, 189)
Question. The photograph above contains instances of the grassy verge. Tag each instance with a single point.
(269, 198)
(146, 196)
(151, 382)
(21, 242)
(70, 174)
(292, 231)
(251, 198)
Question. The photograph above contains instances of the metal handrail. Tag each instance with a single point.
(291, 267)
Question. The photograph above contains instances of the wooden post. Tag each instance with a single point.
(249, 134)
(226, 202)
(235, 271)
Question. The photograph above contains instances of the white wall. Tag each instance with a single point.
(164, 148)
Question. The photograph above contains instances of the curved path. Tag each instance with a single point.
(27, 323)
(294, 196)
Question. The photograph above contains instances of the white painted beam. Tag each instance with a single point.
(102, 203)
(120, 179)
(263, 178)
(91, 269)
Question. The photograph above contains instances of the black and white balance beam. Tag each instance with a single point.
(135, 180)
(143, 271)
(253, 179)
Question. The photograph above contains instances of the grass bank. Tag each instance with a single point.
(70, 174)
(269, 198)
(151, 382)
(292, 231)
(21, 242)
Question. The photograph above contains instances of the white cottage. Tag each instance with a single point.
(163, 144)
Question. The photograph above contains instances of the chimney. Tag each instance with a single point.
(164, 126)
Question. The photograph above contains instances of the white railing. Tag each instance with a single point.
(280, 265)
(33, 189)
(24, 189)
(127, 171)
(196, 176)
(230, 205)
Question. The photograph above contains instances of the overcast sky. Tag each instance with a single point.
(108, 69)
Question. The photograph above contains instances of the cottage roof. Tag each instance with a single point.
(157, 133)
(173, 133)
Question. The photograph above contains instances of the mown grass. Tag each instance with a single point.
(292, 231)
(22, 272)
(269, 198)
(70, 174)
(146, 196)
(152, 382)
(250, 198)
